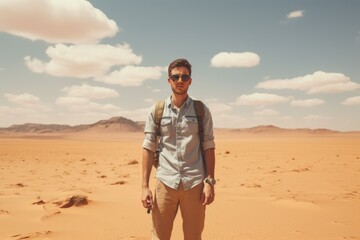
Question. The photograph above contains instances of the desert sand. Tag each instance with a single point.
(269, 186)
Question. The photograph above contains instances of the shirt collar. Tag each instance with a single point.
(186, 103)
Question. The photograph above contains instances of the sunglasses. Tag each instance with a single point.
(176, 77)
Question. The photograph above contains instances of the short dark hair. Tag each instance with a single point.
(181, 62)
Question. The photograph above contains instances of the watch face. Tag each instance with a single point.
(211, 181)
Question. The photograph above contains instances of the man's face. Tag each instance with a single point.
(180, 86)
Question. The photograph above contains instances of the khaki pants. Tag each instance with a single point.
(166, 204)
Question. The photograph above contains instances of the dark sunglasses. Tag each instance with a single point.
(176, 77)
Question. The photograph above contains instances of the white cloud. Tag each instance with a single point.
(35, 65)
(21, 115)
(22, 99)
(54, 21)
(223, 115)
(217, 107)
(78, 100)
(307, 102)
(228, 120)
(80, 104)
(72, 101)
(27, 100)
(83, 61)
(315, 118)
(260, 99)
(134, 114)
(154, 90)
(318, 82)
(352, 101)
(132, 75)
(266, 112)
(150, 100)
(231, 59)
(295, 14)
(90, 92)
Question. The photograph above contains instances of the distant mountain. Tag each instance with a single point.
(120, 124)
(36, 128)
(274, 129)
(112, 125)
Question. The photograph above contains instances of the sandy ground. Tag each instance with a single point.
(294, 187)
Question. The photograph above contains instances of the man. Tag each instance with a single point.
(182, 179)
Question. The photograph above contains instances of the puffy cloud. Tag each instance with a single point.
(21, 115)
(83, 61)
(35, 65)
(134, 114)
(318, 82)
(218, 107)
(80, 104)
(295, 14)
(352, 101)
(307, 102)
(78, 100)
(22, 99)
(27, 100)
(71, 101)
(231, 59)
(65, 21)
(228, 120)
(132, 75)
(260, 99)
(150, 100)
(315, 118)
(266, 112)
(90, 92)
(223, 115)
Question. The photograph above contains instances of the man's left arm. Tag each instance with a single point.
(208, 195)
(210, 162)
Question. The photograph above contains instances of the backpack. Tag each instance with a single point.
(200, 114)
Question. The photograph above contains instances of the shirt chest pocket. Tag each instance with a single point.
(165, 126)
(190, 124)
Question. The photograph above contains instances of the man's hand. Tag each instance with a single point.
(147, 198)
(208, 194)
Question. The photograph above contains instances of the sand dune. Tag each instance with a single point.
(270, 186)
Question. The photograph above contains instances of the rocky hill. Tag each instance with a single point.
(112, 125)
(270, 129)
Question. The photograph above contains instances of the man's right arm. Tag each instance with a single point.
(149, 148)
(147, 162)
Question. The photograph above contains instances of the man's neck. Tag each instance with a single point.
(178, 100)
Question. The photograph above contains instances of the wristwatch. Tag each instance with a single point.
(210, 181)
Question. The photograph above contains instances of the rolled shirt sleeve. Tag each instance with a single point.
(208, 130)
(150, 136)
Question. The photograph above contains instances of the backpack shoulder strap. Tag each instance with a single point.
(200, 114)
(159, 109)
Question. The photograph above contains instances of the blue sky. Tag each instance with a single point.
(294, 64)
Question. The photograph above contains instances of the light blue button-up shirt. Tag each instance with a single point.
(180, 157)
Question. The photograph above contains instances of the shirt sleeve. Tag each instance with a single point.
(149, 130)
(208, 130)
